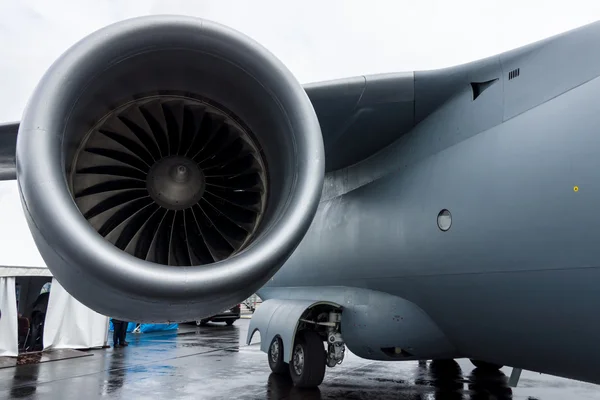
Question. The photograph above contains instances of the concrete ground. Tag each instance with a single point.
(212, 362)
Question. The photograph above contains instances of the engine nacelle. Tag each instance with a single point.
(168, 167)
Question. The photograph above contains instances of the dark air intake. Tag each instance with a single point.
(171, 180)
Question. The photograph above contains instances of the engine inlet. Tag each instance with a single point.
(171, 180)
(168, 167)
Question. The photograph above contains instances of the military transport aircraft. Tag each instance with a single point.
(169, 167)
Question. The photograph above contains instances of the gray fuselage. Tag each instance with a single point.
(515, 279)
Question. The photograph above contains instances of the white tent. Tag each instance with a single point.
(69, 324)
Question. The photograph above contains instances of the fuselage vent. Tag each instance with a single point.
(514, 73)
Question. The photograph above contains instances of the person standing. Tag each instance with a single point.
(119, 333)
(122, 340)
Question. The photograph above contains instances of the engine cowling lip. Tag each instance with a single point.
(67, 224)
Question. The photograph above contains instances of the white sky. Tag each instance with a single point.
(17, 248)
(316, 39)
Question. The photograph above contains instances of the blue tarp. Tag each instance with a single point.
(145, 328)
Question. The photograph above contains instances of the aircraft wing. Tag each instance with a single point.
(8, 142)
(358, 117)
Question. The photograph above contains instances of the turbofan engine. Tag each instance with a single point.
(168, 167)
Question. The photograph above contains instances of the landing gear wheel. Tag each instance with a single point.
(307, 366)
(202, 322)
(275, 355)
(486, 365)
(229, 322)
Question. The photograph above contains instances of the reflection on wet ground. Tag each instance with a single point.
(41, 357)
(213, 363)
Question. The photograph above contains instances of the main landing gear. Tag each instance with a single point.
(276, 362)
(484, 365)
(491, 367)
(307, 367)
(309, 357)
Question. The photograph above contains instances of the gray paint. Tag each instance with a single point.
(362, 115)
(514, 280)
(371, 321)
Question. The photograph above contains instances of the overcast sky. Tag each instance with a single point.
(316, 39)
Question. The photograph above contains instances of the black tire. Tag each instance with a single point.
(311, 371)
(486, 365)
(275, 357)
(229, 322)
(202, 322)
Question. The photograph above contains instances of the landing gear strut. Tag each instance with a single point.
(335, 349)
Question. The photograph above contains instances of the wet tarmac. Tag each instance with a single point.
(213, 363)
